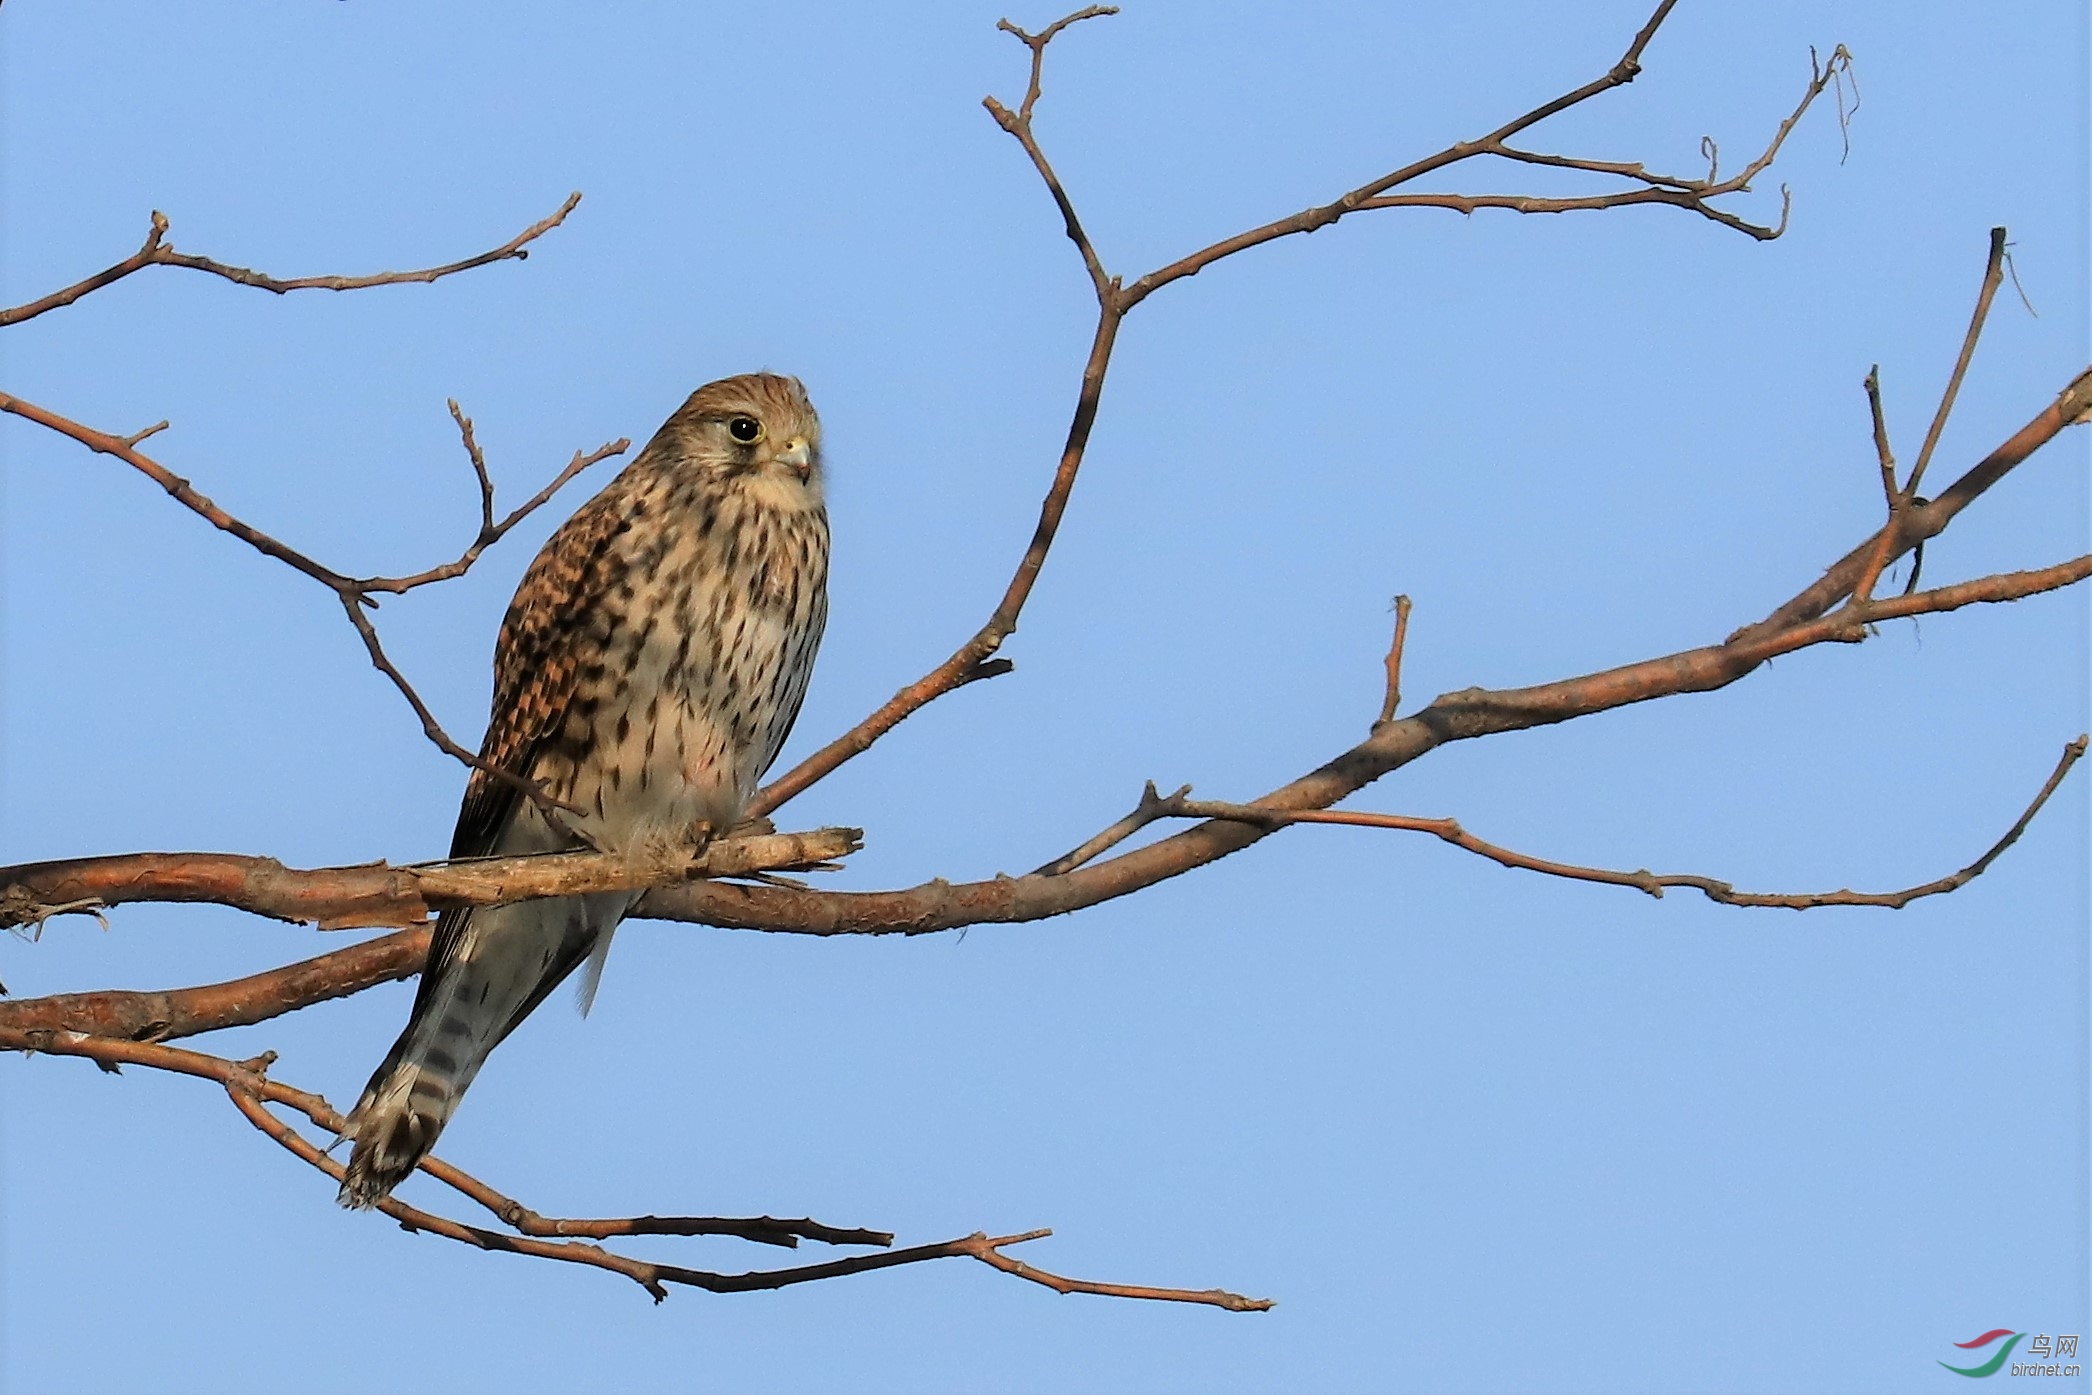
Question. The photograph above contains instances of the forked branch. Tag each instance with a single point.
(356, 594)
(1655, 884)
(158, 251)
(1692, 195)
(1809, 618)
(491, 530)
(115, 1029)
(251, 1091)
(975, 659)
(1902, 497)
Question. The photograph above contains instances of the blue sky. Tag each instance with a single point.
(1474, 1129)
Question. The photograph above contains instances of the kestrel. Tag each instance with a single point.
(646, 674)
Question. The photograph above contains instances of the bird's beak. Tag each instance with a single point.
(799, 456)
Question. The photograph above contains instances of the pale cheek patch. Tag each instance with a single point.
(775, 489)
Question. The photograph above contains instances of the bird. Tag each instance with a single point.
(646, 674)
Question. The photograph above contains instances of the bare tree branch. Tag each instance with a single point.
(1883, 456)
(354, 594)
(157, 251)
(377, 893)
(490, 531)
(338, 897)
(1993, 273)
(1394, 663)
(1463, 715)
(1692, 195)
(162, 1016)
(1923, 522)
(1018, 124)
(1069, 882)
(115, 1029)
(1152, 806)
(247, 1084)
(125, 449)
(974, 659)
(763, 1230)
(1902, 497)
(1725, 893)
(166, 1014)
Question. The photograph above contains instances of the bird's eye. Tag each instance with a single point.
(746, 430)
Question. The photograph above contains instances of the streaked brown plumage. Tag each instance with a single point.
(647, 673)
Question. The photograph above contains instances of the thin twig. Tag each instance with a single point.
(1462, 715)
(479, 467)
(1523, 203)
(1993, 273)
(975, 658)
(1018, 124)
(941, 905)
(1037, 44)
(1152, 806)
(354, 593)
(1689, 194)
(157, 251)
(762, 1230)
(990, 1252)
(2012, 270)
(179, 489)
(1393, 699)
(250, 1089)
(1834, 71)
(1922, 522)
(490, 531)
(1884, 457)
(1450, 831)
(1896, 500)
(1695, 195)
(1623, 169)
(551, 807)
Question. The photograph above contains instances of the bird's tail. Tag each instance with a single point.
(408, 1101)
(498, 964)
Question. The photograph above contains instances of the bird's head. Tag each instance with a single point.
(757, 430)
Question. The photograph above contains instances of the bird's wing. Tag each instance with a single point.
(544, 647)
(547, 640)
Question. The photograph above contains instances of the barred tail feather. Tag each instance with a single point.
(501, 963)
(417, 1088)
(392, 1128)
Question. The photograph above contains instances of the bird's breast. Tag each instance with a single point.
(703, 671)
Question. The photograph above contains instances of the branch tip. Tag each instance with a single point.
(158, 252)
(1993, 275)
(1393, 698)
(1450, 831)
